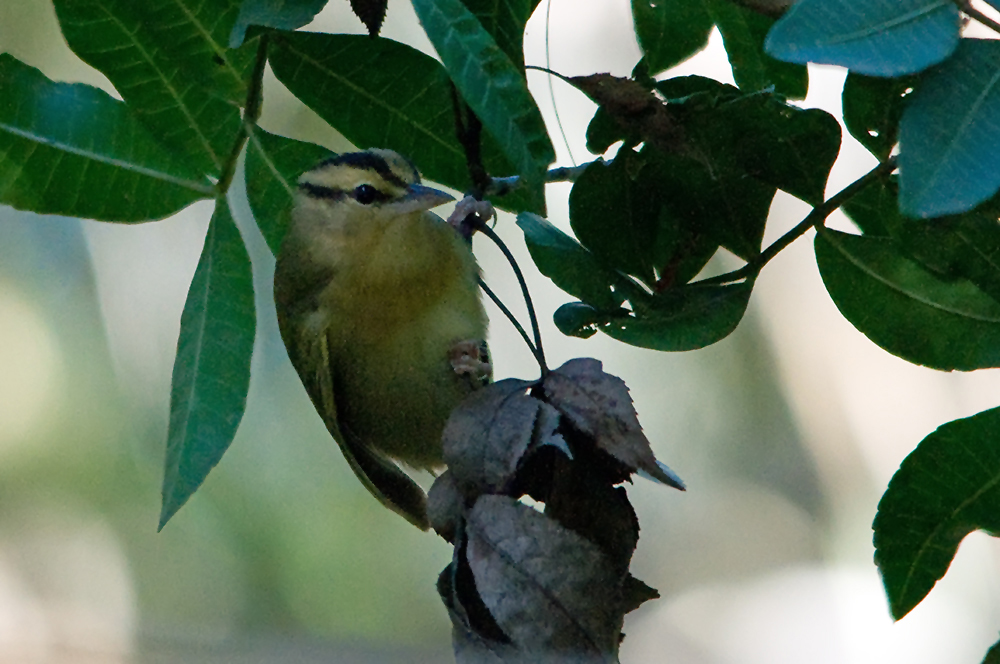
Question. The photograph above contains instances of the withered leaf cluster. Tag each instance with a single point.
(544, 579)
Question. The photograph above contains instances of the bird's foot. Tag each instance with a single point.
(483, 210)
(471, 358)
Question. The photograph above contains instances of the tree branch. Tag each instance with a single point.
(815, 218)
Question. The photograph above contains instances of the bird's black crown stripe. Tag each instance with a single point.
(371, 161)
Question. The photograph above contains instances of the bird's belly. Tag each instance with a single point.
(398, 400)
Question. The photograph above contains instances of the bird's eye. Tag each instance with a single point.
(365, 194)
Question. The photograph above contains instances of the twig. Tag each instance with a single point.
(816, 217)
(503, 186)
(972, 12)
(251, 114)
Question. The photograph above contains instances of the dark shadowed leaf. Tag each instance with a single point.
(945, 489)
(279, 14)
(212, 369)
(670, 31)
(872, 109)
(946, 161)
(874, 210)
(371, 13)
(993, 655)
(905, 308)
(599, 405)
(273, 166)
(570, 266)
(873, 37)
(492, 86)
(683, 318)
(380, 93)
(72, 149)
(125, 41)
(549, 589)
(754, 69)
(445, 506)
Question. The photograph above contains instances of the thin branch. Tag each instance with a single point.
(251, 114)
(510, 316)
(503, 186)
(972, 12)
(816, 217)
(536, 347)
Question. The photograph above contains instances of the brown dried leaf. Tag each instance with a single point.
(371, 13)
(599, 405)
(636, 109)
(445, 506)
(549, 589)
(488, 434)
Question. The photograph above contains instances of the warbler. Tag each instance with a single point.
(379, 307)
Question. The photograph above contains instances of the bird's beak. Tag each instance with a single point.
(418, 197)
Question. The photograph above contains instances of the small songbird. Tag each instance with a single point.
(379, 307)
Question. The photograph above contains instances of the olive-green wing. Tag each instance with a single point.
(310, 355)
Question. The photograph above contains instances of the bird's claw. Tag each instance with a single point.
(483, 210)
(468, 358)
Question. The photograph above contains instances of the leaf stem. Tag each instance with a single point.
(251, 113)
(816, 217)
(536, 347)
(972, 12)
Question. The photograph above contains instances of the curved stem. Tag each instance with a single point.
(816, 217)
(536, 348)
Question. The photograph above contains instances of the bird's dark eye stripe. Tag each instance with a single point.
(366, 161)
(373, 195)
(317, 191)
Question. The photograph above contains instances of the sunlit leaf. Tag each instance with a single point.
(873, 37)
(946, 161)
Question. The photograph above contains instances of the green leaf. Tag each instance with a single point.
(781, 145)
(576, 319)
(616, 215)
(906, 309)
(570, 266)
(964, 246)
(743, 33)
(872, 109)
(670, 31)
(273, 166)
(279, 14)
(380, 93)
(504, 20)
(684, 318)
(491, 85)
(874, 210)
(945, 489)
(873, 37)
(119, 38)
(73, 150)
(212, 369)
(993, 655)
(947, 163)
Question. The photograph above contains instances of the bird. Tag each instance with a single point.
(379, 308)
